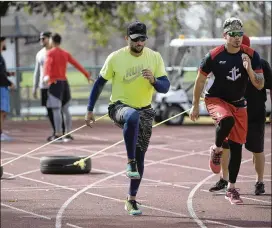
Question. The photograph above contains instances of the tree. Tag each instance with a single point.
(106, 17)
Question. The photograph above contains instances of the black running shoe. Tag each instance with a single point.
(68, 138)
(58, 140)
(221, 184)
(259, 188)
(50, 138)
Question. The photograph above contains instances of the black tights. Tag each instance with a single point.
(51, 119)
(135, 183)
(223, 129)
(235, 160)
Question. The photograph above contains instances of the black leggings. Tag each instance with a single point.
(135, 183)
(51, 118)
(235, 160)
(223, 129)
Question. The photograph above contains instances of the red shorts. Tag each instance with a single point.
(219, 109)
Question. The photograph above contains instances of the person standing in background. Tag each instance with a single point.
(38, 79)
(5, 85)
(59, 95)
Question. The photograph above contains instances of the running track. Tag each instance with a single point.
(173, 193)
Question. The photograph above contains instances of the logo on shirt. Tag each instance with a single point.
(222, 62)
(234, 76)
(133, 73)
(219, 115)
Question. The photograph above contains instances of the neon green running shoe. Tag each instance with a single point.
(132, 170)
(132, 208)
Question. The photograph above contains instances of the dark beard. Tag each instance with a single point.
(4, 48)
(135, 50)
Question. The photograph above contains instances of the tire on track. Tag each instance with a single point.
(58, 165)
(1, 171)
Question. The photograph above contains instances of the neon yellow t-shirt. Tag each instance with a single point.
(128, 84)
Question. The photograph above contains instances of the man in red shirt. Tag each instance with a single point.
(59, 90)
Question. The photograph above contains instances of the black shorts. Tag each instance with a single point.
(44, 96)
(58, 94)
(117, 112)
(255, 137)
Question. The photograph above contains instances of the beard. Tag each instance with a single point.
(137, 49)
(4, 48)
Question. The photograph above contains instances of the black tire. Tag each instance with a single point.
(1, 171)
(172, 111)
(58, 165)
(158, 119)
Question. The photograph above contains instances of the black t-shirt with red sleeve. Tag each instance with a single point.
(230, 76)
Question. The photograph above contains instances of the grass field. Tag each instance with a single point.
(77, 79)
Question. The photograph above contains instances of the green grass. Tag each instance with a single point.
(74, 78)
(80, 89)
(77, 79)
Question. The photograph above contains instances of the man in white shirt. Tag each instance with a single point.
(38, 78)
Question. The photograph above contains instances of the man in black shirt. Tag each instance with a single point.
(5, 84)
(232, 65)
(256, 127)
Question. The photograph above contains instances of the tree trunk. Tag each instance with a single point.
(264, 25)
(213, 20)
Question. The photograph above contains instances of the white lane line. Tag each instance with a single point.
(6, 159)
(27, 212)
(145, 179)
(50, 151)
(26, 189)
(90, 193)
(190, 201)
(70, 189)
(28, 172)
(212, 182)
(192, 193)
(34, 214)
(69, 200)
(144, 206)
(74, 226)
(12, 153)
(253, 199)
(186, 167)
(162, 182)
(257, 200)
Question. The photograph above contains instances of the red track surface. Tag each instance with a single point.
(32, 199)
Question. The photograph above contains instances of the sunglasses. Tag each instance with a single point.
(234, 34)
(140, 38)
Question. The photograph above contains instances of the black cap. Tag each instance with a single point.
(2, 38)
(136, 29)
(45, 34)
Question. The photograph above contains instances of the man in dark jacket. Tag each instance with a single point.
(256, 128)
(5, 84)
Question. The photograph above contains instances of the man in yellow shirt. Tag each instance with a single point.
(136, 72)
